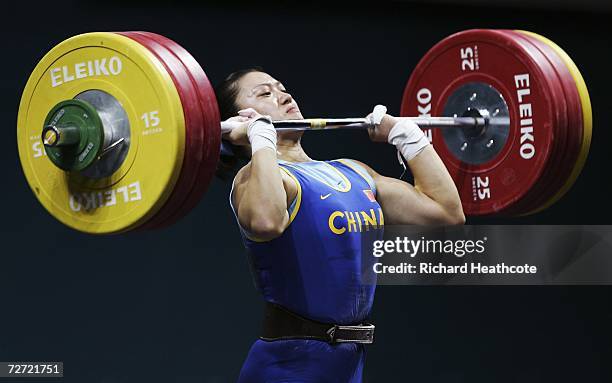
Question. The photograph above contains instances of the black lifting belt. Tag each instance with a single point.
(280, 323)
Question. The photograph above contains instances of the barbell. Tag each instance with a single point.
(121, 131)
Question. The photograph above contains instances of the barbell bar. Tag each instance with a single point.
(362, 123)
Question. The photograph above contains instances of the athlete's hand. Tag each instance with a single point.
(382, 124)
(235, 129)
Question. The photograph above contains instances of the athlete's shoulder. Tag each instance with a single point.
(290, 182)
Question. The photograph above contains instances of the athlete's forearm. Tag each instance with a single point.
(436, 191)
(432, 179)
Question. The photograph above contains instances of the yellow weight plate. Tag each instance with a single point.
(587, 118)
(131, 74)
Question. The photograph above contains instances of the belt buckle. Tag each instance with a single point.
(368, 328)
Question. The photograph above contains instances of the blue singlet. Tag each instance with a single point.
(315, 270)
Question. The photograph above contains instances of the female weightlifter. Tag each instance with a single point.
(301, 221)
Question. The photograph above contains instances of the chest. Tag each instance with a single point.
(337, 198)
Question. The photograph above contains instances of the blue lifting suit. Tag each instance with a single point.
(314, 269)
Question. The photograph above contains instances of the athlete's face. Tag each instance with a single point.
(262, 92)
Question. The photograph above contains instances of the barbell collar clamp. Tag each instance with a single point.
(73, 135)
(53, 136)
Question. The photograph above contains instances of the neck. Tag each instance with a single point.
(289, 148)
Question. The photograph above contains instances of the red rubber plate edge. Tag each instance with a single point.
(193, 129)
(575, 125)
(549, 181)
(212, 125)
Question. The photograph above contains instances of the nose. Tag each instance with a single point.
(285, 98)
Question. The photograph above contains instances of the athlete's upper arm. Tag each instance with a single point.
(241, 182)
(239, 185)
(403, 203)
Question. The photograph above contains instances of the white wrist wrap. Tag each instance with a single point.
(408, 138)
(261, 135)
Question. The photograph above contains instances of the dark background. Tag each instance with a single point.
(178, 305)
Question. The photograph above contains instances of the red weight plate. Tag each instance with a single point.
(574, 113)
(212, 124)
(549, 181)
(193, 129)
(489, 57)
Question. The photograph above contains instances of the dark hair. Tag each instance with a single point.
(227, 92)
(232, 157)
